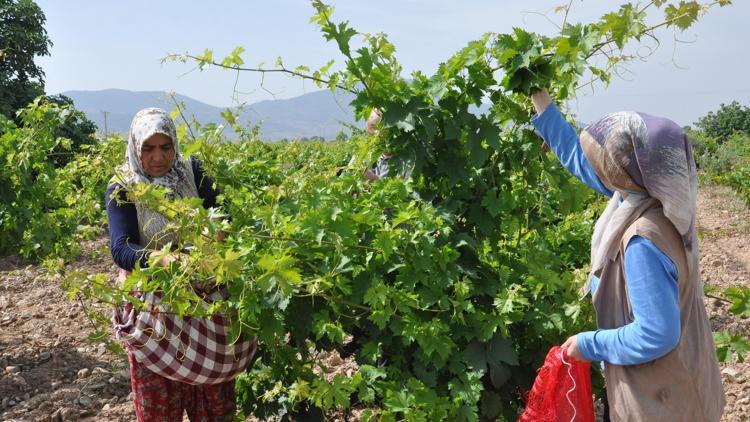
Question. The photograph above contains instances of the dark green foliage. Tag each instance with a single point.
(726, 121)
(22, 38)
(704, 146)
(722, 147)
(46, 209)
(76, 127)
(720, 158)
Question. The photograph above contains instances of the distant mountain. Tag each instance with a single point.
(319, 113)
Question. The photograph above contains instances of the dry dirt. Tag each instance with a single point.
(724, 228)
(49, 371)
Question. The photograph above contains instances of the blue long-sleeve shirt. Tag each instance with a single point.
(650, 276)
(124, 238)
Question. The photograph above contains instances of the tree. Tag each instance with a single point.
(727, 120)
(74, 126)
(22, 38)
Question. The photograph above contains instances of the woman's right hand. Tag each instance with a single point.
(122, 275)
(571, 349)
(541, 100)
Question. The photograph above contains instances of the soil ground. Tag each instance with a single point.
(49, 371)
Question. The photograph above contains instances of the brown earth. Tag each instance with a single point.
(49, 371)
(724, 228)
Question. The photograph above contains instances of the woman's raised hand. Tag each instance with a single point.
(541, 100)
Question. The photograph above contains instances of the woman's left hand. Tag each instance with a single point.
(168, 258)
(571, 348)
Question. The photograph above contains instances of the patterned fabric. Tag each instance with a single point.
(380, 168)
(645, 160)
(190, 350)
(159, 399)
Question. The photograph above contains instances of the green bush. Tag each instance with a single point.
(75, 126)
(704, 146)
(42, 206)
(727, 120)
(720, 158)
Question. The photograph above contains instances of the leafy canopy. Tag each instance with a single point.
(22, 39)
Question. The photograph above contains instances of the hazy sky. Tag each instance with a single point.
(101, 44)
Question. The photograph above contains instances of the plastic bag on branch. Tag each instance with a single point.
(561, 391)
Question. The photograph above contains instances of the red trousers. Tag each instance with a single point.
(160, 399)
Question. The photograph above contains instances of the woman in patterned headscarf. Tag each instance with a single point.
(653, 333)
(177, 364)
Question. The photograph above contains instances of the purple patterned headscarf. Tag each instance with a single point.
(643, 159)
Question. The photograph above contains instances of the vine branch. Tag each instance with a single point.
(282, 70)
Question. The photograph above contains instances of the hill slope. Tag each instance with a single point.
(319, 113)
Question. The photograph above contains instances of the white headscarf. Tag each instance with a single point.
(179, 179)
(146, 123)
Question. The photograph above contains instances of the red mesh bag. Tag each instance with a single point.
(561, 391)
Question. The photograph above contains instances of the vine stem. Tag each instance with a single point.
(179, 109)
(291, 239)
(85, 310)
(595, 49)
(600, 45)
(354, 69)
(720, 299)
(282, 69)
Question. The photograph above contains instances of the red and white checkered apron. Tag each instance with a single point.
(186, 349)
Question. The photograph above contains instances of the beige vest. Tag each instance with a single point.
(683, 385)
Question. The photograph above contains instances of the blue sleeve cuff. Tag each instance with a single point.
(585, 342)
(537, 116)
(548, 121)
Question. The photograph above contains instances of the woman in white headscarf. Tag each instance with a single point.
(653, 332)
(177, 364)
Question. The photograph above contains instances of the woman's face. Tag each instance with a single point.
(157, 154)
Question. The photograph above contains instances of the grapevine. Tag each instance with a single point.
(447, 287)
